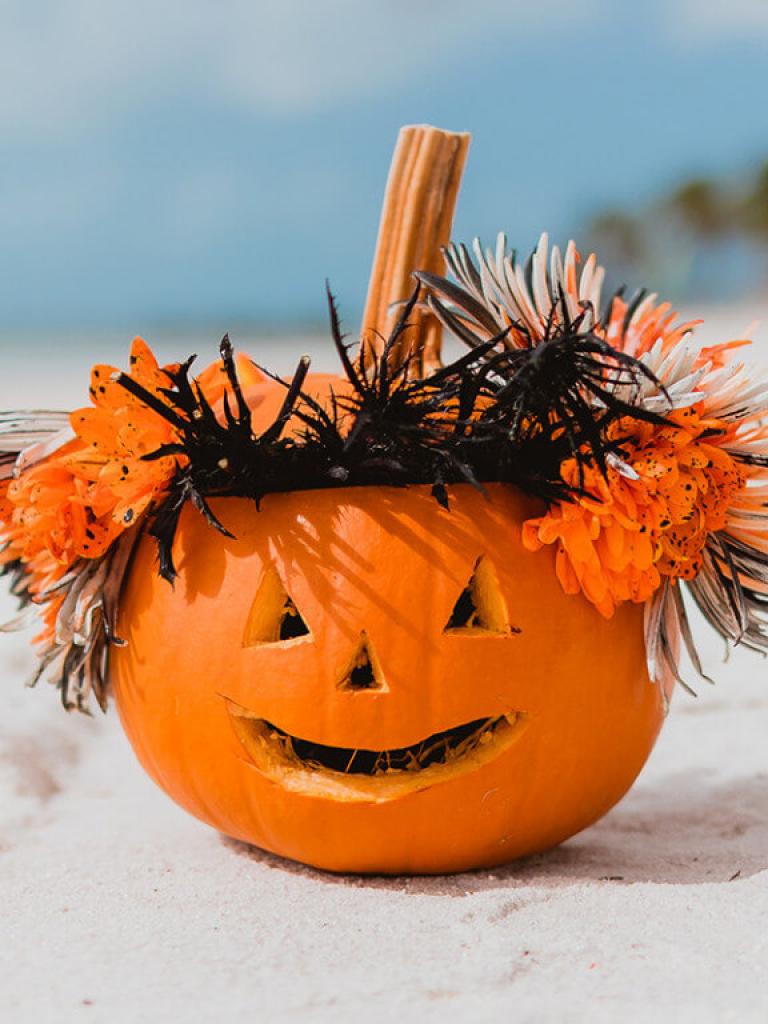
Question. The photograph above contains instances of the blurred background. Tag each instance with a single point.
(179, 170)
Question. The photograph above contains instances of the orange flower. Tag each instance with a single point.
(646, 326)
(649, 522)
(76, 503)
(53, 512)
(6, 509)
(115, 436)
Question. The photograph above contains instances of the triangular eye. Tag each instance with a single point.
(481, 607)
(274, 616)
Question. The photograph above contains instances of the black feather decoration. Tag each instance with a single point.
(499, 413)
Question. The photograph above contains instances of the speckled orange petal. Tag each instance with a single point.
(565, 573)
(530, 535)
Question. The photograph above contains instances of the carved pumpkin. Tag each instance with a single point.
(356, 676)
(369, 682)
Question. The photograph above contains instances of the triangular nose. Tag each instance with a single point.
(365, 671)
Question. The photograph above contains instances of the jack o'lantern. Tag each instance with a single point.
(369, 682)
(419, 617)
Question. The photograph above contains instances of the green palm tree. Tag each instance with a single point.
(754, 210)
(702, 207)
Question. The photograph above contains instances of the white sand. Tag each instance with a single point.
(116, 906)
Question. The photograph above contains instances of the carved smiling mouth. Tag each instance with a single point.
(345, 773)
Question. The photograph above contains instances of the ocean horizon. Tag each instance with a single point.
(49, 366)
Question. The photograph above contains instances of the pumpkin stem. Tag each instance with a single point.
(416, 220)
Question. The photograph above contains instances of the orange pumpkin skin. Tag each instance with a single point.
(389, 563)
(266, 398)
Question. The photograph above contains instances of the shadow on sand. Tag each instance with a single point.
(684, 832)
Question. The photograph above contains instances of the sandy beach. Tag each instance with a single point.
(117, 906)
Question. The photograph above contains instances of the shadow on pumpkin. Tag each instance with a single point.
(680, 831)
(315, 540)
(323, 545)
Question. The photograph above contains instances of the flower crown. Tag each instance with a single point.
(649, 454)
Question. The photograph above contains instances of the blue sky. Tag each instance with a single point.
(213, 162)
